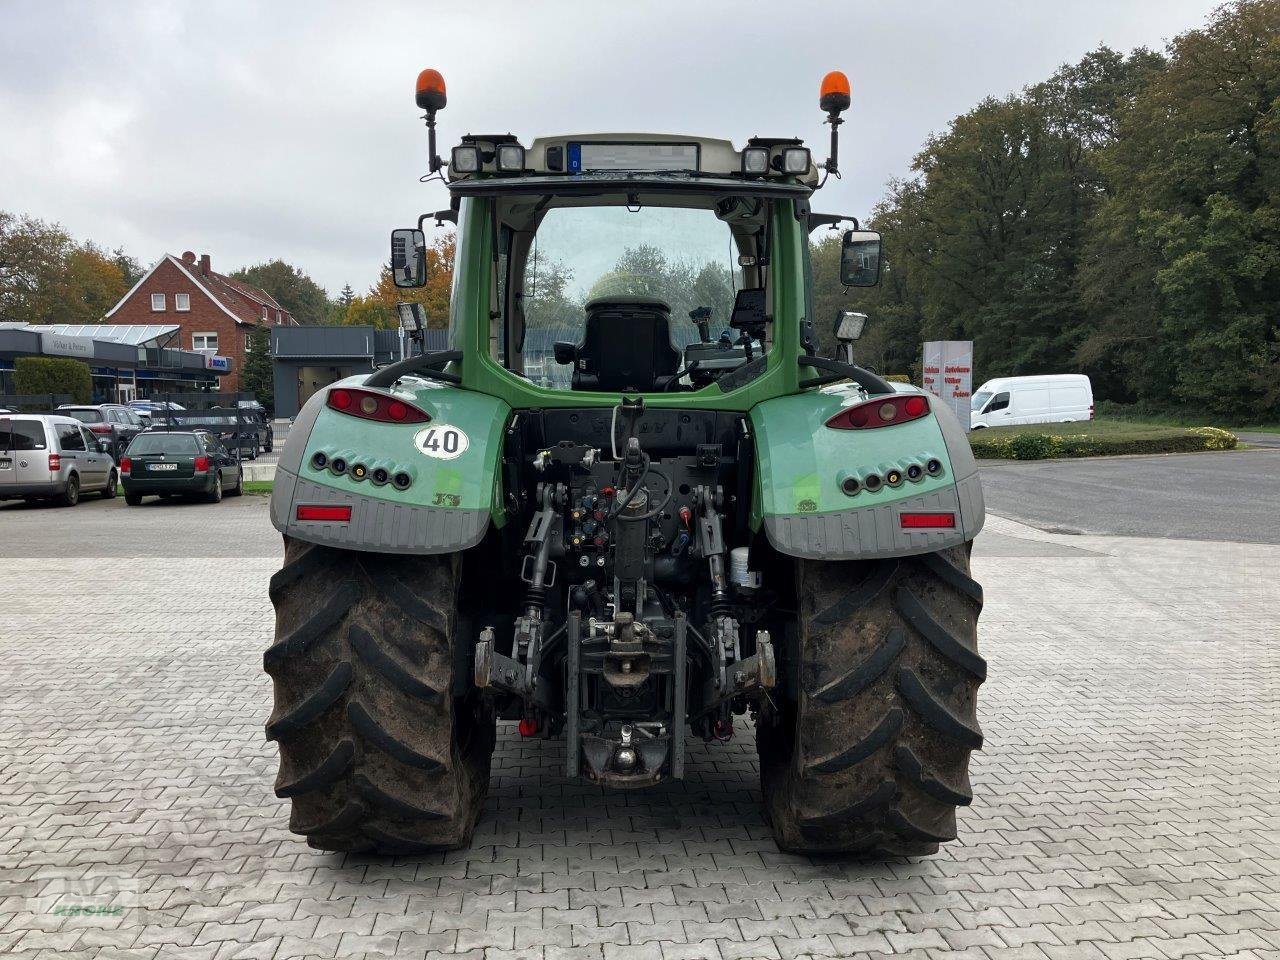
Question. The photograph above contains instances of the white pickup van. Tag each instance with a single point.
(1057, 398)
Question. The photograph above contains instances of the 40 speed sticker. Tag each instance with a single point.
(441, 441)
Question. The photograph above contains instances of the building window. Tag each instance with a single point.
(182, 302)
(248, 343)
(204, 342)
(279, 317)
(264, 315)
(157, 302)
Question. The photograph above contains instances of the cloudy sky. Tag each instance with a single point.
(287, 129)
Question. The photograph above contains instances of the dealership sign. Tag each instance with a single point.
(220, 364)
(58, 345)
(948, 374)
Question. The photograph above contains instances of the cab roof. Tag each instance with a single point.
(630, 159)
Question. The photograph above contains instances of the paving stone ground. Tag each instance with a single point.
(1126, 804)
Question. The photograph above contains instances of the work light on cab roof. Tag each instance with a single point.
(484, 155)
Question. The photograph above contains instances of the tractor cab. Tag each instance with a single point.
(618, 263)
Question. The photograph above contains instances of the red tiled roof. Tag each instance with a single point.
(243, 300)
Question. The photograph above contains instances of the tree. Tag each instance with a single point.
(45, 277)
(1183, 269)
(53, 375)
(378, 307)
(257, 376)
(291, 288)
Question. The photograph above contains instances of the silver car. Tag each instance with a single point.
(53, 457)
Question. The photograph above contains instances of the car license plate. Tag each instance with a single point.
(163, 466)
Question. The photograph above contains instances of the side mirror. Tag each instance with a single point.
(860, 258)
(408, 258)
(565, 352)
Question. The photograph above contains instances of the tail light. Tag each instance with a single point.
(100, 427)
(927, 521)
(1091, 411)
(319, 511)
(881, 412)
(369, 405)
(202, 464)
(126, 466)
(55, 462)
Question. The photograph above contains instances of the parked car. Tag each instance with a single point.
(114, 422)
(53, 457)
(1057, 398)
(179, 462)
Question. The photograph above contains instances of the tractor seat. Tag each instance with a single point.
(626, 346)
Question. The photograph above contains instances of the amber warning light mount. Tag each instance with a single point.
(430, 96)
(834, 98)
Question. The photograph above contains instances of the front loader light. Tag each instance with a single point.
(795, 160)
(465, 159)
(755, 161)
(511, 158)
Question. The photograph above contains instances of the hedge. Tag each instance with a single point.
(53, 375)
(1032, 445)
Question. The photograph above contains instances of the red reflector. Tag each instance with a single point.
(528, 727)
(340, 514)
(927, 521)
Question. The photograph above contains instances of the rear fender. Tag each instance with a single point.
(801, 463)
(452, 462)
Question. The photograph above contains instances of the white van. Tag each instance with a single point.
(1059, 398)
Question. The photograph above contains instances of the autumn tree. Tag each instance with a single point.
(377, 308)
(291, 288)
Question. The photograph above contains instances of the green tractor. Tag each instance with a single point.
(628, 504)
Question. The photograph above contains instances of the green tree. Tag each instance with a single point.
(54, 375)
(291, 288)
(257, 377)
(1183, 272)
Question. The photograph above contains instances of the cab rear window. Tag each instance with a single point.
(172, 443)
(21, 435)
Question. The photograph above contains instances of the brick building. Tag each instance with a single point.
(215, 313)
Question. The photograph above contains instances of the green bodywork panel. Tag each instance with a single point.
(469, 481)
(801, 461)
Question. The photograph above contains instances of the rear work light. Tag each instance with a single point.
(340, 514)
(369, 405)
(927, 521)
(881, 412)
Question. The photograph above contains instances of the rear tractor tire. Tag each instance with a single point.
(873, 757)
(376, 752)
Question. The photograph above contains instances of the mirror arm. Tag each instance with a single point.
(863, 378)
(817, 220)
(833, 162)
(423, 365)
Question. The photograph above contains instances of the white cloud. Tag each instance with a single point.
(252, 131)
